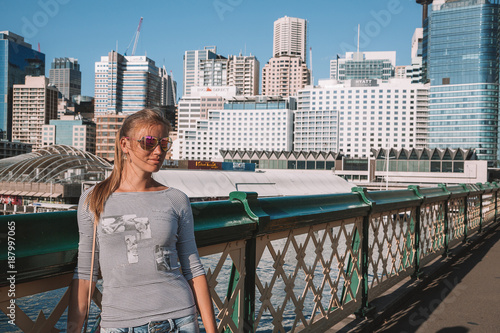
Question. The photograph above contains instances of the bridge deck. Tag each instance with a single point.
(464, 298)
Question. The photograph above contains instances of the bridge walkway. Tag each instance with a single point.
(464, 297)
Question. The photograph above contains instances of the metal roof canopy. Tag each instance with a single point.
(267, 183)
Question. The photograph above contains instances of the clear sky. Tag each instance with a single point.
(89, 29)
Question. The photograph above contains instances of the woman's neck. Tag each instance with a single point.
(133, 182)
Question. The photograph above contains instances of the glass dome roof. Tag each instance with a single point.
(56, 163)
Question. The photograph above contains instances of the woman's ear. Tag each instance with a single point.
(124, 144)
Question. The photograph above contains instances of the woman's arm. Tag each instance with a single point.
(203, 300)
(78, 304)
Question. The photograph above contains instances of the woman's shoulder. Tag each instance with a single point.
(175, 193)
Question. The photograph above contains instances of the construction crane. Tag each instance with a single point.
(135, 39)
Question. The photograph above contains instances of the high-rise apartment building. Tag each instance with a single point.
(191, 66)
(72, 131)
(243, 73)
(357, 115)
(34, 105)
(290, 37)
(284, 76)
(461, 61)
(17, 60)
(65, 75)
(363, 65)
(126, 84)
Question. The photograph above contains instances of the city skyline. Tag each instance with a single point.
(86, 31)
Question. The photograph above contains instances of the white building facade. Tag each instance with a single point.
(194, 107)
(358, 115)
(126, 84)
(252, 123)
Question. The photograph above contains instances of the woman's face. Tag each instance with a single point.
(140, 159)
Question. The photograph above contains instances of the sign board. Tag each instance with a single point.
(364, 83)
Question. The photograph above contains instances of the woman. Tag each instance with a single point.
(138, 292)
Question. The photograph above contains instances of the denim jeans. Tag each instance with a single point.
(188, 324)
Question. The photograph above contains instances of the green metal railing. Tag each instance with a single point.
(282, 264)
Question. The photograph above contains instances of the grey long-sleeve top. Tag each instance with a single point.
(141, 239)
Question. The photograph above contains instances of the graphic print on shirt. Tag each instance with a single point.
(165, 259)
(123, 223)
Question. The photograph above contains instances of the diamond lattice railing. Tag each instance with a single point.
(304, 275)
(473, 212)
(431, 228)
(391, 249)
(456, 226)
(488, 208)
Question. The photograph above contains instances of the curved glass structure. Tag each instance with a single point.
(57, 163)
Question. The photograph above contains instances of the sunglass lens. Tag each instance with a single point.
(149, 142)
(165, 144)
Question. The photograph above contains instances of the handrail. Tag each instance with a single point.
(244, 227)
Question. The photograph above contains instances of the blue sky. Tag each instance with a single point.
(89, 29)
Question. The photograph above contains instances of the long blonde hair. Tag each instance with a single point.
(101, 192)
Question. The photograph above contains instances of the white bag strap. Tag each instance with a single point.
(91, 276)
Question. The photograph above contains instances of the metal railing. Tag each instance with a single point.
(273, 264)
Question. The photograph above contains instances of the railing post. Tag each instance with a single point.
(446, 250)
(365, 306)
(466, 213)
(496, 201)
(416, 245)
(249, 293)
(257, 215)
(480, 185)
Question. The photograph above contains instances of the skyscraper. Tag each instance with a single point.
(287, 72)
(290, 37)
(126, 84)
(461, 61)
(65, 75)
(17, 60)
(191, 66)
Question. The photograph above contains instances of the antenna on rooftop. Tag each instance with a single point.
(358, 38)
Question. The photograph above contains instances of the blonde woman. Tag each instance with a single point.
(139, 294)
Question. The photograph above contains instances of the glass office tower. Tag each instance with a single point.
(17, 59)
(461, 57)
